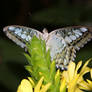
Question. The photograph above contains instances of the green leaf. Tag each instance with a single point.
(56, 84)
(48, 58)
(52, 71)
(38, 58)
(28, 68)
(28, 58)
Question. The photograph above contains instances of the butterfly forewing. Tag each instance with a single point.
(20, 34)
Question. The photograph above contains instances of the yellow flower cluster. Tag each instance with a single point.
(72, 79)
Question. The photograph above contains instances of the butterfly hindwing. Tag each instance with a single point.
(20, 34)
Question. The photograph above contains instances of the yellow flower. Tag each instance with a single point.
(63, 85)
(25, 86)
(91, 72)
(28, 85)
(74, 78)
(41, 88)
(89, 84)
(86, 85)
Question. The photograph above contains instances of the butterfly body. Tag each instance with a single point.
(62, 42)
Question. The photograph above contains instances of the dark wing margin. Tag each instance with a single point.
(20, 34)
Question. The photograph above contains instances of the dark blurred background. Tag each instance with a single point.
(37, 14)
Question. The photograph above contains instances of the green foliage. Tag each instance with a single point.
(38, 59)
(40, 64)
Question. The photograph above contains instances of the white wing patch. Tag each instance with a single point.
(55, 44)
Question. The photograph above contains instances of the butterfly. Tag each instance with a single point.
(63, 43)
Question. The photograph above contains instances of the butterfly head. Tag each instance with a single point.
(45, 34)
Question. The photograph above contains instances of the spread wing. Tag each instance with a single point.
(64, 42)
(21, 34)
